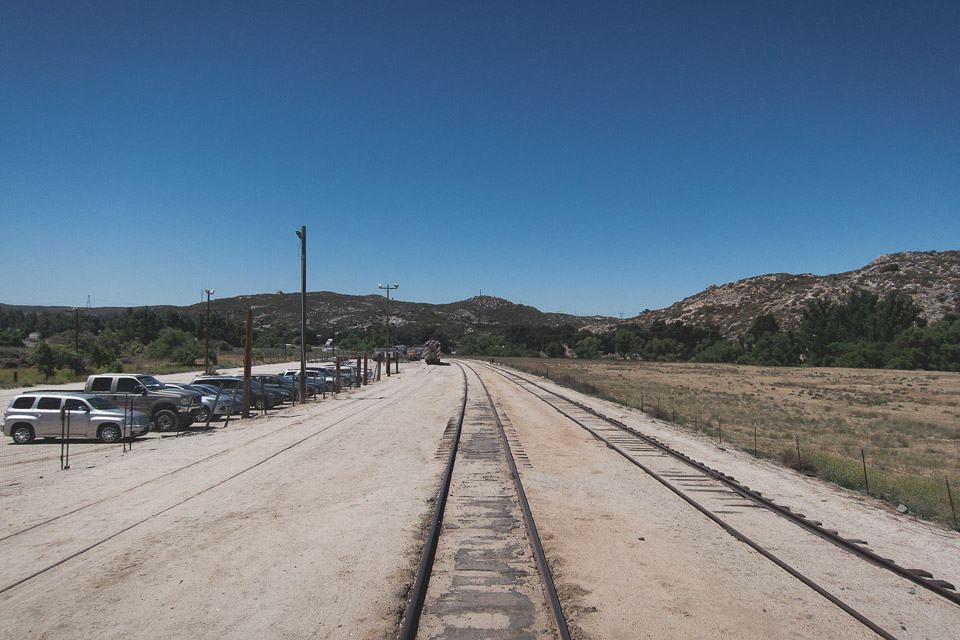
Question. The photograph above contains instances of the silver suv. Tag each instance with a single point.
(55, 414)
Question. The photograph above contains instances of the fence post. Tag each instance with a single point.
(952, 508)
(799, 464)
(863, 459)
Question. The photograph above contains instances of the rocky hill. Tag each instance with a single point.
(932, 278)
(326, 309)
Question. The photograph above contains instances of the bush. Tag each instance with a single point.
(44, 358)
(789, 459)
(176, 345)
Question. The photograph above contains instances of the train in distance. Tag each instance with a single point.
(431, 352)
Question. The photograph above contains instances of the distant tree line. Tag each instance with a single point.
(166, 334)
(864, 330)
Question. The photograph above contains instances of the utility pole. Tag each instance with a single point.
(247, 362)
(76, 331)
(206, 325)
(386, 351)
(302, 234)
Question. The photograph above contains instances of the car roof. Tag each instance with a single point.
(62, 392)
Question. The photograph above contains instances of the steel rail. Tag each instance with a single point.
(720, 522)
(918, 577)
(546, 577)
(418, 594)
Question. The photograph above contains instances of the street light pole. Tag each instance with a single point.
(302, 234)
(386, 351)
(206, 353)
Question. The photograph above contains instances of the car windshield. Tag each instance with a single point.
(189, 387)
(150, 382)
(207, 389)
(100, 403)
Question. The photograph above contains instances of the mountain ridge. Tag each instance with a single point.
(931, 277)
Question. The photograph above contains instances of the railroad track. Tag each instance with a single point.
(483, 572)
(77, 545)
(742, 512)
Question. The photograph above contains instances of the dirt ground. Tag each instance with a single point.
(308, 523)
(625, 548)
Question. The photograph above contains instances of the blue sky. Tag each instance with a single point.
(588, 158)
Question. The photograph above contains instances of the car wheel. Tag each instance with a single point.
(22, 434)
(109, 433)
(165, 420)
(258, 404)
(204, 415)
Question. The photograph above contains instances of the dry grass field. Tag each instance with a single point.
(906, 422)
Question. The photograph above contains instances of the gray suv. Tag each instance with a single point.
(55, 414)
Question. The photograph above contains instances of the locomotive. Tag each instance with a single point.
(431, 352)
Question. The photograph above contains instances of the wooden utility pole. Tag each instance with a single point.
(247, 358)
(302, 234)
(387, 345)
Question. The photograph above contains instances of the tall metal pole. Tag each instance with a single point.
(206, 353)
(302, 234)
(386, 351)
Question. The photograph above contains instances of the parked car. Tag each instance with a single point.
(283, 385)
(319, 379)
(331, 372)
(260, 397)
(225, 404)
(167, 407)
(47, 414)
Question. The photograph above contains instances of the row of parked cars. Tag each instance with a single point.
(113, 406)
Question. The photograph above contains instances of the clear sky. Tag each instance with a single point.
(582, 157)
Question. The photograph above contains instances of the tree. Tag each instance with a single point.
(176, 345)
(763, 324)
(623, 342)
(720, 351)
(44, 358)
(588, 347)
(774, 350)
(817, 328)
(105, 349)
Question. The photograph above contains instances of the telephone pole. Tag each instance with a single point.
(386, 351)
(302, 234)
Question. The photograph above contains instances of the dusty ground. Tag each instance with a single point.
(905, 423)
(307, 523)
(624, 548)
(304, 524)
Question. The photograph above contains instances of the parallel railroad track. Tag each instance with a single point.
(724, 500)
(482, 560)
